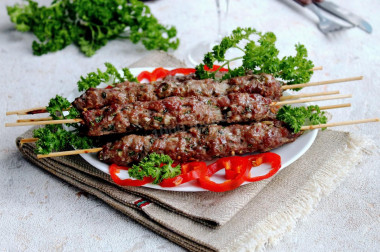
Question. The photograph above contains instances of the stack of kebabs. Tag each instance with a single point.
(190, 119)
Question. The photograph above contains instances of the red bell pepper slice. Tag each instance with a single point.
(159, 73)
(184, 71)
(144, 75)
(236, 169)
(189, 172)
(272, 158)
(114, 169)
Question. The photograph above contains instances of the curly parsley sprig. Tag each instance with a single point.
(90, 24)
(93, 79)
(58, 105)
(157, 166)
(259, 56)
(54, 137)
(296, 117)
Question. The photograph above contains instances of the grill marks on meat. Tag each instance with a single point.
(200, 144)
(178, 111)
(182, 86)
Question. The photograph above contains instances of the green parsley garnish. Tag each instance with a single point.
(296, 117)
(259, 56)
(54, 137)
(158, 118)
(98, 119)
(90, 24)
(157, 166)
(59, 104)
(111, 74)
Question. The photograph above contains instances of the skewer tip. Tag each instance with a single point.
(317, 68)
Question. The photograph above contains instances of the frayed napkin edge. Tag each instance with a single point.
(270, 231)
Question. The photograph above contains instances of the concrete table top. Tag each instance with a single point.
(39, 212)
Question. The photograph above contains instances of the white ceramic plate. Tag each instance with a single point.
(289, 153)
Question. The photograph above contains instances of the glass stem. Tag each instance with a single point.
(222, 12)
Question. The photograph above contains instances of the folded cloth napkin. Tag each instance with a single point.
(250, 217)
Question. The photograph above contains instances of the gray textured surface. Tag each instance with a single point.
(38, 212)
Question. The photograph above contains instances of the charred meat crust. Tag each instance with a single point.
(175, 111)
(198, 144)
(182, 86)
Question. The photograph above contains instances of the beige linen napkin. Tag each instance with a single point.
(249, 217)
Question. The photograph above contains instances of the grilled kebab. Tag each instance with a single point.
(178, 111)
(200, 143)
(181, 86)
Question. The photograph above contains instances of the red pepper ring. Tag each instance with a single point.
(189, 172)
(232, 165)
(115, 169)
(159, 73)
(272, 158)
(236, 167)
(237, 171)
(144, 75)
(184, 71)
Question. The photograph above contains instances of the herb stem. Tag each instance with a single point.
(228, 62)
(241, 49)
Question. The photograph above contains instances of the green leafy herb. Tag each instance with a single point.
(158, 118)
(55, 138)
(296, 117)
(90, 24)
(59, 104)
(98, 119)
(259, 56)
(111, 74)
(157, 166)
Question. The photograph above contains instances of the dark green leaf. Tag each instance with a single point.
(55, 138)
(93, 79)
(259, 56)
(90, 24)
(157, 166)
(296, 117)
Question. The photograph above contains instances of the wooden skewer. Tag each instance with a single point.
(339, 123)
(74, 152)
(324, 98)
(31, 140)
(43, 122)
(345, 105)
(290, 97)
(43, 109)
(28, 111)
(28, 140)
(283, 98)
(67, 153)
(321, 82)
(317, 68)
(34, 120)
(31, 111)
